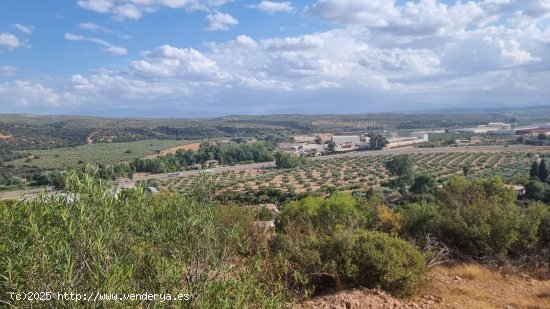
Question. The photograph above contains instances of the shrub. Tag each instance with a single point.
(534, 228)
(478, 218)
(389, 221)
(421, 219)
(134, 243)
(356, 258)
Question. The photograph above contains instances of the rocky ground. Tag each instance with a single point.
(461, 286)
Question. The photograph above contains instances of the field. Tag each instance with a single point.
(61, 158)
(173, 150)
(363, 172)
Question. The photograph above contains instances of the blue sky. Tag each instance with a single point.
(217, 57)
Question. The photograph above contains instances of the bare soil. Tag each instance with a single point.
(461, 286)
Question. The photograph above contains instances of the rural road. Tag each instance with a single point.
(122, 182)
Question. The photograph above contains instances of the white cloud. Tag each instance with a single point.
(374, 12)
(27, 93)
(110, 48)
(9, 40)
(169, 61)
(220, 21)
(99, 6)
(323, 85)
(116, 51)
(293, 43)
(421, 52)
(7, 70)
(129, 11)
(81, 83)
(537, 8)
(134, 9)
(264, 84)
(94, 27)
(511, 49)
(272, 7)
(24, 28)
(423, 18)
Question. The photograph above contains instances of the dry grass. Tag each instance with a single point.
(470, 272)
(193, 146)
(474, 286)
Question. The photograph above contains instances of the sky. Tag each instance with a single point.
(202, 58)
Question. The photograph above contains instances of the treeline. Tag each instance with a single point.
(225, 153)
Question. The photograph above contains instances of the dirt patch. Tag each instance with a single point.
(473, 286)
(460, 286)
(5, 136)
(361, 298)
(193, 146)
(90, 138)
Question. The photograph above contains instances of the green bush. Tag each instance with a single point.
(421, 219)
(479, 217)
(356, 258)
(534, 228)
(131, 244)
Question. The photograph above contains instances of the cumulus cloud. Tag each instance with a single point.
(110, 48)
(9, 40)
(423, 52)
(24, 28)
(426, 17)
(169, 61)
(272, 7)
(220, 21)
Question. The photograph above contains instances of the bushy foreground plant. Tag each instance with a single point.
(479, 218)
(97, 241)
(328, 241)
(350, 258)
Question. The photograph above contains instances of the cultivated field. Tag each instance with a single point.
(104, 153)
(362, 172)
(173, 150)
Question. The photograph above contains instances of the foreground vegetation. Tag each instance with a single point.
(96, 241)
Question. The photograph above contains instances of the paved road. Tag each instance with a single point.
(13, 195)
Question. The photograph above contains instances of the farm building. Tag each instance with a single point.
(346, 139)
